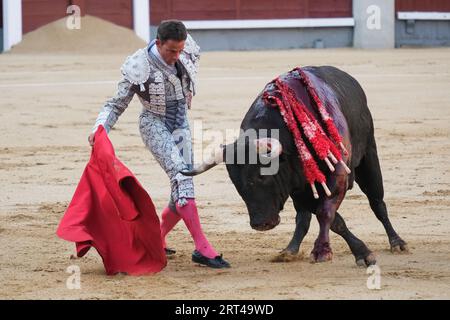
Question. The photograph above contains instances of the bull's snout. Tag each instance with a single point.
(267, 225)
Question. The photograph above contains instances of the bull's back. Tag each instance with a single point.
(353, 104)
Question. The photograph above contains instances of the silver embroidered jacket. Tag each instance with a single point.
(144, 75)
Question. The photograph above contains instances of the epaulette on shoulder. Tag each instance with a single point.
(136, 68)
(189, 58)
(192, 48)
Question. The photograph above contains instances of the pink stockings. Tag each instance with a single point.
(189, 214)
(168, 220)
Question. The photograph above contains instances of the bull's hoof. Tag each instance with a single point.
(366, 261)
(286, 256)
(322, 257)
(321, 253)
(398, 246)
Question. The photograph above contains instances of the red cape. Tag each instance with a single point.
(112, 212)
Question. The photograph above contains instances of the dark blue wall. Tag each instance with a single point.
(422, 33)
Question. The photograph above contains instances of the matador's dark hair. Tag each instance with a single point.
(171, 30)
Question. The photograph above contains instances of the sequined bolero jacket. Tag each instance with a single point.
(155, 85)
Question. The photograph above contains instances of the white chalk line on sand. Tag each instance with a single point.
(103, 82)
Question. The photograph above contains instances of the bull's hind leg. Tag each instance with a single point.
(363, 256)
(369, 178)
(302, 222)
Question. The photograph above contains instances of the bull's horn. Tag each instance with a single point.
(217, 156)
(263, 145)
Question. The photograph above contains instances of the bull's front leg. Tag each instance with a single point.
(325, 213)
(302, 222)
(322, 250)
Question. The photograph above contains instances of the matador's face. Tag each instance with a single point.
(170, 50)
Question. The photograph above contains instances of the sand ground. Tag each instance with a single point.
(49, 104)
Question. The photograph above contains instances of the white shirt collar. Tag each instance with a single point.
(155, 51)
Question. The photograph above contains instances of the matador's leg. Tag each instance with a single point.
(163, 146)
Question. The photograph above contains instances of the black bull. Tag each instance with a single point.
(265, 195)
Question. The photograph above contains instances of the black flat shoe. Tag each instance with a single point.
(217, 262)
(169, 251)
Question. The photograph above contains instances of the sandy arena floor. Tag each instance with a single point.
(49, 104)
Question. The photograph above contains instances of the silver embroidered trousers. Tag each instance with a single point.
(172, 148)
